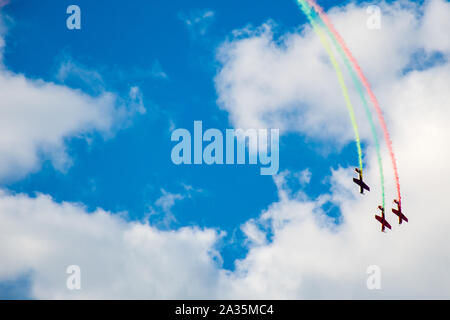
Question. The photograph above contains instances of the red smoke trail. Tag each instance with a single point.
(366, 85)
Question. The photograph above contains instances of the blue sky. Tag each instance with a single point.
(169, 51)
(123, 42)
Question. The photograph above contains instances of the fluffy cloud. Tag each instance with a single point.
(118, 259)
(38, 117)
(308, 255)
(286, 81)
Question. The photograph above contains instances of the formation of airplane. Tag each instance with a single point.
(382, 219)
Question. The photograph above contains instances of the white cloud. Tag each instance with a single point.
(37, 117)
(304, 176)
(167, 200)
(197, 21)
(118, 259)
(435, 26)
(157, 71)
(254, 236)
(163, 206)
(309, 256)
(287, 81)
(160, 212)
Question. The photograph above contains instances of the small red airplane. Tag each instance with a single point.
(382, 220)
(360, 182)
(399, 213)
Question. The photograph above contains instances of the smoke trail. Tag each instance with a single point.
(307, 11)
(363, 99)
(366, 85)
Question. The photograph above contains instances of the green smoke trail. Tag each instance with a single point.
(307, 11)
(360, 92)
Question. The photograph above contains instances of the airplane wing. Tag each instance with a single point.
(383, 222)
(387, 224)
(361, 184)
(365, 186)
(401, 215)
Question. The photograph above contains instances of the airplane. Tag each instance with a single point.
(360, 182)
(382, 220)
(399, 213)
